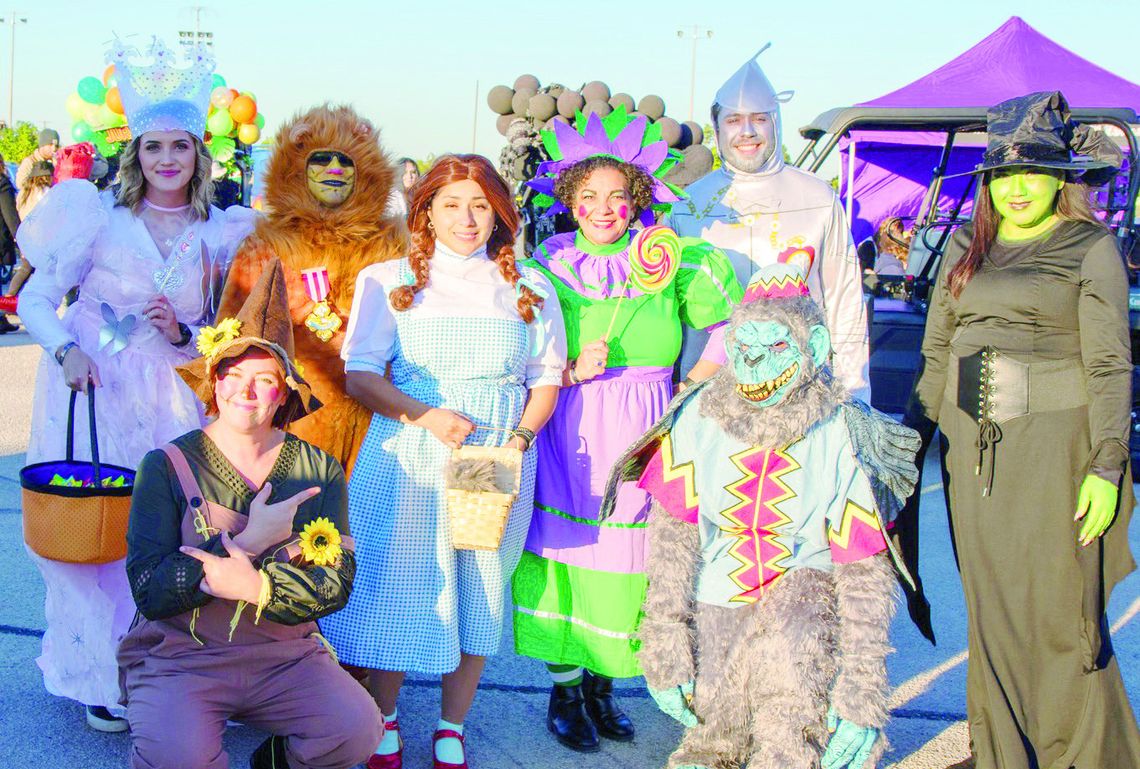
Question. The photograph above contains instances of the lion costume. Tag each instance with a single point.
(342, 235)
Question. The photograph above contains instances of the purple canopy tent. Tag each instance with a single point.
(892, 169)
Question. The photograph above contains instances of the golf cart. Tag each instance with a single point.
(899, 302)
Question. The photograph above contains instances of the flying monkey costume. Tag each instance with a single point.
(771, 586)
(326, 191)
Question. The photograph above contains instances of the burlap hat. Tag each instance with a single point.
(262, 322)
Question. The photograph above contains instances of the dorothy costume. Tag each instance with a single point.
(418, 603)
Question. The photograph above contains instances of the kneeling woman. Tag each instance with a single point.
(238, 541)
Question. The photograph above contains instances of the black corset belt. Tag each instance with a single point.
(994, 388)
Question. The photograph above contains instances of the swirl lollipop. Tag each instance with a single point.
(654, 256)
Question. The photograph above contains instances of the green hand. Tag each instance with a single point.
(674, 702)
(1096, 503)
(850, 745)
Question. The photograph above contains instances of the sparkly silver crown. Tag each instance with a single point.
(163, 94)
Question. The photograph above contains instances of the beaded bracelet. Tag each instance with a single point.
(526, 434)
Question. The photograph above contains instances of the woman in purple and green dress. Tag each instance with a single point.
(579, 587)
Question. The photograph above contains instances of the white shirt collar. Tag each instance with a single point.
(442, 250)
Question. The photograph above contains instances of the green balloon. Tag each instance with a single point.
(220, 123)
(91, 90)
(259, 121)
(216, 81)
(222, 148)
(81, 131)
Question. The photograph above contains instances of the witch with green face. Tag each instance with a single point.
(1027, 371)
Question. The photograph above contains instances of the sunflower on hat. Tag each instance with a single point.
(262, 322)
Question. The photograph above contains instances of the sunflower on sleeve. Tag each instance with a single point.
(320, 542)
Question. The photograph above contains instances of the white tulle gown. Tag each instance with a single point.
(77, 236)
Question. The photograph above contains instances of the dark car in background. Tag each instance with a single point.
(898, 303)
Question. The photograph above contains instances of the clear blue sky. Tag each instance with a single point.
(411, 66)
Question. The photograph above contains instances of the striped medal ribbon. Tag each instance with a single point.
(323, 320)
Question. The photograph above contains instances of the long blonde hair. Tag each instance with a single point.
(132, 183)
(33, 185)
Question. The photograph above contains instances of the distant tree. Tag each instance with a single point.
(16, 144)
(426, 163)
(710, 142)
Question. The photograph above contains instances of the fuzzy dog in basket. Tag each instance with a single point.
(482, 483)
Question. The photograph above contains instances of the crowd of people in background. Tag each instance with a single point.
(293, 389)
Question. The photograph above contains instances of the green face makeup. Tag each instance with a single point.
(1025, 198)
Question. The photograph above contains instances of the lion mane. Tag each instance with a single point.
(304, 234)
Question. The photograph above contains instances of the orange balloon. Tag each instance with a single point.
(233, 94)
(115, 101)
(243, 109)
(107, 73)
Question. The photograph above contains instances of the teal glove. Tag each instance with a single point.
(850, 745)
(674, 702)
(1096, 503)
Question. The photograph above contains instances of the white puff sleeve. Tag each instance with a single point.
(237, 223)
(58, 234)
(57, 239)
(370, 340)
(546, 332)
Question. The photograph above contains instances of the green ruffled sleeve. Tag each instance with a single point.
(301, 591)
(706, 285)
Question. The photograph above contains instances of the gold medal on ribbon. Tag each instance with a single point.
(323, 320)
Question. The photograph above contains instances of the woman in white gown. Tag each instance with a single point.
(148, 258)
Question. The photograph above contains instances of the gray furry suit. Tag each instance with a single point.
(766, 673)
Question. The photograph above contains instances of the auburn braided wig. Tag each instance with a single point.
(500, 248)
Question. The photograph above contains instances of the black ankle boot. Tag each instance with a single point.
(566, 719)
(603, 709)
(269, 754)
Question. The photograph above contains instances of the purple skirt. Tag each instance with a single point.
(594, 423)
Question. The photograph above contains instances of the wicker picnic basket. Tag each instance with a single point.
(75, 524)
(477, 518)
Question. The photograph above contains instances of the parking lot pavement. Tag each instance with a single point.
(507, 725)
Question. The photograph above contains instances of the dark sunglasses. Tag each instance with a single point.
(325, 157)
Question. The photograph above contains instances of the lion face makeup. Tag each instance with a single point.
(331, 176)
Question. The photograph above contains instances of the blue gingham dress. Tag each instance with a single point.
(416, 602)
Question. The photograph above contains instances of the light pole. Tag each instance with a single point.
(12, 20)
(695, 35)
(192, 39)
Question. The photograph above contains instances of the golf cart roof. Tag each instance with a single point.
(840, 120)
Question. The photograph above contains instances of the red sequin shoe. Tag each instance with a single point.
(391, 760)
(442, 734)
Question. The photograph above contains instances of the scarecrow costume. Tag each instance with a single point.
(326, 190)
(771, 585)
(778, 215)
(191, 661)
(1027, 372)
